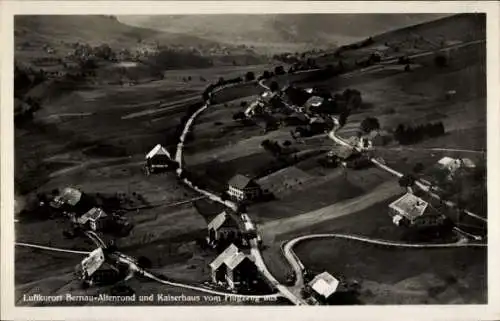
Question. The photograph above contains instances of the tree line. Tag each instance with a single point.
(412, 134)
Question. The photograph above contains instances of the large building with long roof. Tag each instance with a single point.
(234, 268)
(410, 210)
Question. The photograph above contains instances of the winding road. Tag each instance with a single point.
(255, 250)
(298, 267)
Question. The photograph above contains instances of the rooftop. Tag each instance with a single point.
(228, 253)
(233, 261)
(342, 152)
(158, 150)
(446, 161)
(239, 181)
(324, 284)
(314, 101)
(92, 215)
(218, 221)
(409, 206)
(69, 196)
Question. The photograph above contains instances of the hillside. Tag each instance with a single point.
(93, 29)
(459, 27)
(280, 32)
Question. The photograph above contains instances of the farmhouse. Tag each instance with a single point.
(272, 100)
(410, 210)
(93, 219)
(223, 227)
(158, 159)
(323, 286)
(234, 269)
(349, 157)
(242, 188)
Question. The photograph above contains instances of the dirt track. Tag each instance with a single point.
(281, 226)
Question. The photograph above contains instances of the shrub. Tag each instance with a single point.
(370, 123)
(441, 61)
(249, 76)
(279, 70)
(239, 115)
(274, 86)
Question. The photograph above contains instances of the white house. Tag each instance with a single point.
(324, 285)
(453, 164)
(411, 210)
(243, 188)
(93, 218)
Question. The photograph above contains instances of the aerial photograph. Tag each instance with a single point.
(250, 159)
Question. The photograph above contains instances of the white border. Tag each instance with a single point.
(9, 8)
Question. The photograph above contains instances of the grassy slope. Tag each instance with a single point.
(92, 29)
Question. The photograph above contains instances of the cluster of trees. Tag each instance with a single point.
(441, 61)
(266, 74)
(369, 61)
(168, 59)
(362, 44)
(271, 146)
(26, 78)
(412, 134)
(307, 64)
(249, 76)
(370, 123)
(220, 82)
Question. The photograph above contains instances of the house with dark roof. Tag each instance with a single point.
(223, 227)
(243, 188)
(234, 269)
(412, 211)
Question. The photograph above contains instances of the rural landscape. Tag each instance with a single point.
(312, 159)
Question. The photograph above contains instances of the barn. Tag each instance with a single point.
(158, 159)
(223, 227)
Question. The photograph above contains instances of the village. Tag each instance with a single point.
(231, 232)
(268, 186)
